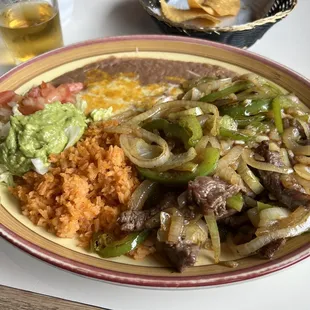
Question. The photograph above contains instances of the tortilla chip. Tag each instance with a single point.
(199, 4)
(222, 7)
(195, 4)
(202, 22)
(179, 16)
(208, 10)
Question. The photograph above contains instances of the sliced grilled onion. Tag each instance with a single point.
(303, 159)
(254, 78)
(274, 135)
(290, 137)
(203, 226)
(204, 119)
(136, 120)
(173, 211)
(296, 224)
(249, 178)
(226, 145)
(203, 142)
(215, 235)
(304, 183)
(294, 101)
(284, 157)
(171, 225)
(196, 233)
(144, 149)
(162, 233)
(128, 144)
(193, 94)
(123, 117)
(273, 147)
(193, 111)
(247, 156)
(231, 157)
(176, 229)
(178, 160)
(205, 87)
(141, 194)
(303, 171)
(292, 220)
(270, 215)
(229, 175)
(305, 127)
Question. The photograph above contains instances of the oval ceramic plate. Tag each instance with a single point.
(62, 252)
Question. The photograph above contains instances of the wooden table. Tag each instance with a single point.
(14, 299)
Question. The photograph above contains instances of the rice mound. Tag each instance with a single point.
(84, 191)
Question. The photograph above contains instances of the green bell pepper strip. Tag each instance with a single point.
(121, 247)
(234, 135)
(191, 124)
(266, 91)
(235, 202)
(252, 108)
(96, 241)
(262, 206)
(276, 108)
(188, 129)
(248, 120)
(206, 167)
(171, 130)
(237, 87)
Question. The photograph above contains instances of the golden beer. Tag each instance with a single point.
(30, 29)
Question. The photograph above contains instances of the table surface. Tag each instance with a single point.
(287, 43)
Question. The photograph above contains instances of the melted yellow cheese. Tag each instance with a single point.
(124, 91)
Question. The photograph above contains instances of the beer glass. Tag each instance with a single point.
(30, 28)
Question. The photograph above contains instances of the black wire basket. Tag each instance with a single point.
(242, 36)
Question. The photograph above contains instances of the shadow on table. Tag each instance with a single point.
(130, 17)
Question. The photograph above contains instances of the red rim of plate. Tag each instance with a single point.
(155, 281)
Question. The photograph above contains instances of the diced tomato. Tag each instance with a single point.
(75, 87)
(64, 92)
(6, 97)
(31, 105)
(34, 92)
(38, 96)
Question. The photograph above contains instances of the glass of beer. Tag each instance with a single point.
(30, 28)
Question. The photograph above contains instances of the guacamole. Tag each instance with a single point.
(40, 134)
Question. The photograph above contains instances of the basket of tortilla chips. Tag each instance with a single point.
(235, 22)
